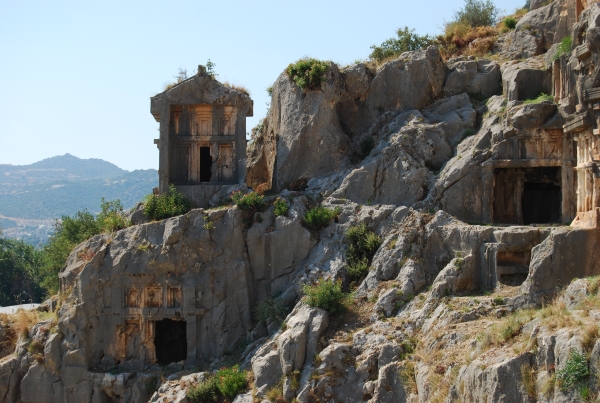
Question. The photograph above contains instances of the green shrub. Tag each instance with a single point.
(307, 73)
(250, 201)
(205, 392)
(477, 13)
(68, 233)
(231, 382)
(510, 22)
(271, 309)
(407, 41)
(327, 295)
(319, 217)
(367, 145)
(226, 383)
(564, 47)
(362, 245)
(540, 98)
(281, 206)
(575, 371)
(111, 217)
(171, 204)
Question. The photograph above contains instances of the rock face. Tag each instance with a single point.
(307, 133)
(461, 301)
(480, 78)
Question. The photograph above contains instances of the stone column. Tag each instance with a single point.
(163, 157)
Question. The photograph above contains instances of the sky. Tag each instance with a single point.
(77, 76)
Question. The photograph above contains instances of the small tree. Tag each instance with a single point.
(407, 40)
(477, 13)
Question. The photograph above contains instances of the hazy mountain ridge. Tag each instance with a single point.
(63, 185)
(59, 168)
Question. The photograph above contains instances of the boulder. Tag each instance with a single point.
(480, 78)
(521, 81)
(531, 116)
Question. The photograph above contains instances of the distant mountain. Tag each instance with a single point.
(61, 168)
(33, 196)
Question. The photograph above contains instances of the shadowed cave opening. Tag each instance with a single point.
(527, 195)
(170, 341)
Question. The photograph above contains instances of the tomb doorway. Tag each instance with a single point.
(205, 164)
(170, 341)
(527, 195)
(541, 203)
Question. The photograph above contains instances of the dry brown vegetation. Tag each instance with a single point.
(237, 87)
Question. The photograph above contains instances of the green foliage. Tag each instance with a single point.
(68, 233)
(319, 217)
(366, 145)
(111, 217)
(407, 41)
(307, 73)
(271, 309)
(510, 22)
(270, 90)
(205, 392)
(231, 382)
(477, 13)
(226, 383)
(540, 98)
(170, 204)
(250, 201)
(210, 69)
(575, 371)
(281, 206)
(564, 47)
(362, 245)
(327, 295)
(19, 272)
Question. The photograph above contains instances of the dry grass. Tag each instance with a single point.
(462, 39)
(407, 376)
(589, 337)
(528, 379)
(237, 87)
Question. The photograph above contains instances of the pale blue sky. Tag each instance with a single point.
(76, 76)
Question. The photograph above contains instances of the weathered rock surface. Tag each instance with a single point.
(306, 133)
(480, 78)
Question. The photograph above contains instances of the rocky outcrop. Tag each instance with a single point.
(479, 78)
(307, 133)
(539, 29)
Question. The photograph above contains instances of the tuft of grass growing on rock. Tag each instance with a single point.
(319, 217)
(564, 47)
(327, 295)
(528, 380)
(170, 204)
(574, 372)
(281, 206)
(362, 245)
(307, 73)
(540, 98)
(227, 383)
(252, 201)
(271, 309)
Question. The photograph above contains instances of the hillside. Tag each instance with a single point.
(33, 196)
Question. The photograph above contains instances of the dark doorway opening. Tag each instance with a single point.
(527, 195)
(541, 203)
(170, 341)
(205, 164)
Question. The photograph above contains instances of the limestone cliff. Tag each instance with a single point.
(481, 189)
